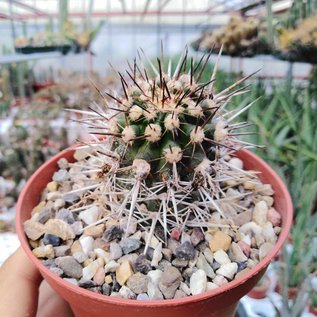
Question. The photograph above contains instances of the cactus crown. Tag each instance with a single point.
(164, 162)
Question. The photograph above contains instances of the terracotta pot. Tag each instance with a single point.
(260, 291)
(313, 310)
(220, 302)
(291, 291)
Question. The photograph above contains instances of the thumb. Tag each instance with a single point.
(19, 286)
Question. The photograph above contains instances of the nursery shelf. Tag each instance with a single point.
(18, 58)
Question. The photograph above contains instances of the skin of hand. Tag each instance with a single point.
(23, 294)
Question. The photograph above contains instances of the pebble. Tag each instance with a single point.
(179, 294)
(157, 255)
(244, 247)
(71, 198)
(172, 245)
(155, 276)
(38, 207)
(242, 218)
(129, 245)
(111, 266)
(241, 273)
(242, 265)
(52, 186)
(202, 264)
(59, 203)
(106, 289)
(170, 281)
(51, 239)
(197, 236)
(179, 263)
(52, 196)
(76, 247)
(153, 291)
(142, 264)
(132, 225)
(220, 241)
(185, 288)
(59, 228)
(44, 215)
(250, 228)
(163, 265)
(46, 251)
(185, 251)
(265, 249)
(115, 251)
(72, 281)
(264, 189)
(167, 254)
(125, 292)
(90, 270)
(220, 280)
(138, 283)
(87, 244)
(56, 270)
(211, 286)
(208, 255)
(81, 154)
(221, 257)
(236, 162)
(124, 272)
(260, 213)
(65, 215)
(60, 176)
(274, 217)
(236, 253)
(103, 254)
(86, 283)
(269, 233)
(99, 277)
(112, 233)
(176, 234)
(143, 296)
(62, 250)
(90, 215)
(34, 230)
(108, 279)
(70, 266)
(80, 257)
(77, 227)
(198, 282)
(185, 238)
(228, 270)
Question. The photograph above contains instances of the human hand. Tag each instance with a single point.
(23, 293)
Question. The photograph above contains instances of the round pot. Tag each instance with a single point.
(260, 290)
(312, 310)
(219, 302)
(291, 291)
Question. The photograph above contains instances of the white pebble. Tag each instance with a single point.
(198, 282)
(111, 266)
(90, 270)
(103, 254)
(236, 162)
(211, 286)
(184, 287)
(89, 215)
(221, 257)
(260, 211)
(228, 270)
(250, 228)
(155, 276)
(87, 244)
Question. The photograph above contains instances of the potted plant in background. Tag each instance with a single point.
(165, 185)
(261, 288)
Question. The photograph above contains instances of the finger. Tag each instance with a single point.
(19, 285)
(51, 304)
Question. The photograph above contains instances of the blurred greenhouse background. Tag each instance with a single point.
(51, 51)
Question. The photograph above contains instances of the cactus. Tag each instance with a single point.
(161, 149)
